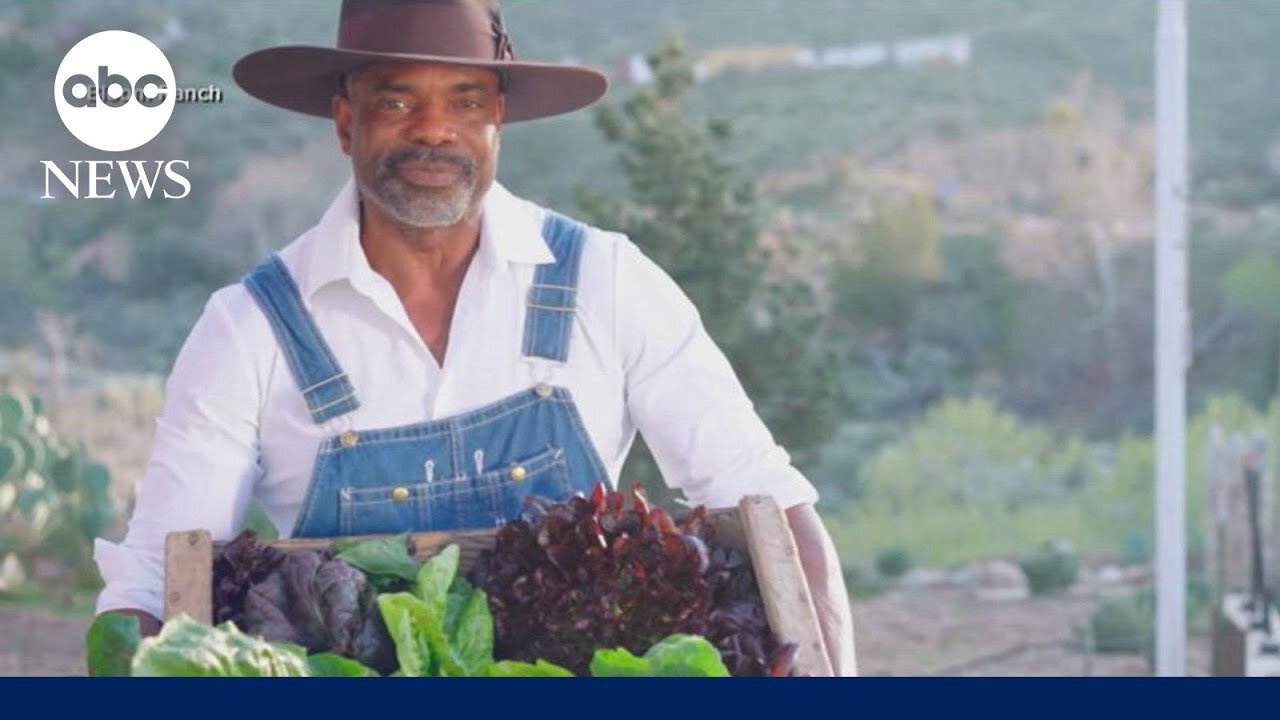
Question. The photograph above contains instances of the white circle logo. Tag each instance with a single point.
(115, 90)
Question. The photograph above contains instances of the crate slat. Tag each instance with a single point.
(788, 604)
(188, 575)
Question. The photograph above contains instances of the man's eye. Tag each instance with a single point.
(393, 104)
(467, 104)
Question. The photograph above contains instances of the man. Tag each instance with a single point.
(435, 348)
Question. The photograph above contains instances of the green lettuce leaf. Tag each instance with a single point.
(676, 656)
(333, 665)
(407, 619)
(513, 668)
(472, 635)
(110, 644)
(186, 648)
(444, 627)
(618, 662)
(457, 598)
(435, 577)
(686, 656)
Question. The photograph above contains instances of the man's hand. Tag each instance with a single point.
(826, 586)
(148, 625)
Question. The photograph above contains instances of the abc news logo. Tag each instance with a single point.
(105, 109)
(101, 92)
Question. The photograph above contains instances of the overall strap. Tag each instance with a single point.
(548, 317)
(325, 387)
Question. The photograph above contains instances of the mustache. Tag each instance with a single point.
(427, 155)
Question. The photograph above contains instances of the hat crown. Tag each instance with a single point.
(448, 28)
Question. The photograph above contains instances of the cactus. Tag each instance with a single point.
(54, 498)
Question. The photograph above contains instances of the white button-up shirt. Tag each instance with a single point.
(235, 426)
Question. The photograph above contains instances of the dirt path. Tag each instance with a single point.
(955, 632)
(39, 642)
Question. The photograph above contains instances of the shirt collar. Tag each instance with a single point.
(510, 231)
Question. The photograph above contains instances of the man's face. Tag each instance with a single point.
(423, 138)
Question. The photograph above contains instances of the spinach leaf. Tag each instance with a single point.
(110, 643)
(386, 562)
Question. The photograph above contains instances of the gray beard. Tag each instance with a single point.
(417, 206)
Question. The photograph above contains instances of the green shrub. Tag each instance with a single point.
(862, 582)
(1050, 568)
(1126, 624)
(1121, 625)
(968, 453)
(894, 562)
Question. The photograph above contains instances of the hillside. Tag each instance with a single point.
(249, 160)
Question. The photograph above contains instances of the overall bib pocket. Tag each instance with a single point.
(546, 474)
(388, 509)
(497, 496)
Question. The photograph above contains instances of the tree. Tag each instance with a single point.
(694, 214)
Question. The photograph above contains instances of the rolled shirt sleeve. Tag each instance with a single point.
(203, 465)
(687, 402)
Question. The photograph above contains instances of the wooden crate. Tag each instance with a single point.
(757, 527)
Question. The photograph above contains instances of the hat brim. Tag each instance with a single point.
(303, 79)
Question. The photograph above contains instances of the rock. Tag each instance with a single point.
(925, 579)
(995, 580)
(1126, 575)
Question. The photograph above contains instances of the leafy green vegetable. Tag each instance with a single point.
(472, 635)
(435, 577)
(186, 648)
(386, 562)
(444, 627)
(515, 668)
(459, 595)
(334, 665)
(110, 643)
(407, 619)
(677, 656)
(686, 656)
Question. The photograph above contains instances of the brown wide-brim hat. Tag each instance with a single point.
(453, 32)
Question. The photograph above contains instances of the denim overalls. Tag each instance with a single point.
(466, 471)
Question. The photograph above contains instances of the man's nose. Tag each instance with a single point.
(431, 124)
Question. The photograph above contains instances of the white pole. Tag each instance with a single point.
(1172, 337)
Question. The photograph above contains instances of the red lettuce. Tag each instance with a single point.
(589, 573)
(303, 597)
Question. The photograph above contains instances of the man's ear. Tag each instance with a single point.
(340, 109)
